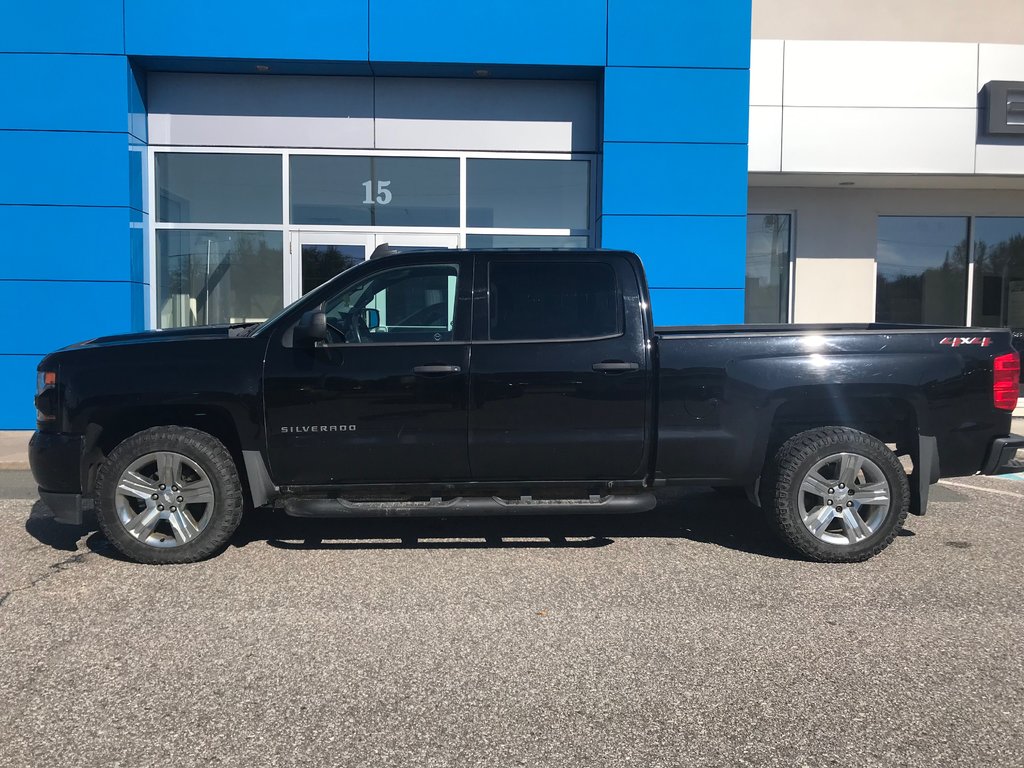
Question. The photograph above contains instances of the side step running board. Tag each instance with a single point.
(470, 505)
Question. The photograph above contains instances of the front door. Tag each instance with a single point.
(316, 257)
(384, 398)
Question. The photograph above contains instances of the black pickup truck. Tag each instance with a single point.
(513, 382)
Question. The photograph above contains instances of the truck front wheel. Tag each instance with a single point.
(836, 494)
(169, 495)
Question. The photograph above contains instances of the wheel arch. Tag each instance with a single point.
(893, 420)
(107, 431)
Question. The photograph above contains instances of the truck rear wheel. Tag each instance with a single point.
(836, 494)
(169, 495)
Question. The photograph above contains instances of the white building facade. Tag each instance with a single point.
(886, 163)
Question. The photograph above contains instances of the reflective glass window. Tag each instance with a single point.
(546, 194)
(767, 285)
(322, 262)
(530, 300)
(211, 188)
(999, 272)
(212, 277)
(922, 270)
(375, 191)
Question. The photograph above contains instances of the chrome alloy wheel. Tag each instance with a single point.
(164, 499)
(844, 498)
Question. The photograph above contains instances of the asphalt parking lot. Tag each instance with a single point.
(681, 637)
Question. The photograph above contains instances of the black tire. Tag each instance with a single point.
(781, 490)
(205, 451)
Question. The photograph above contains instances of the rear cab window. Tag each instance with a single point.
(534, 300)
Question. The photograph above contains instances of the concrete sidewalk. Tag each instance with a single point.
(14, 445)
(14, 449)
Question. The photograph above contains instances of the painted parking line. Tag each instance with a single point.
(983, 488)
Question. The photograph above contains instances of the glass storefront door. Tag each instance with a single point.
(316, 257)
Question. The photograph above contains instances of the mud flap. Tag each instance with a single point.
(925, 475)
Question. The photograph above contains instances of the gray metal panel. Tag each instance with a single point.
(493, 115)
(260, 110)
(1005, 101)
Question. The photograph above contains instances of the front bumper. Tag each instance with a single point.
(1001, 459)
(56, 462)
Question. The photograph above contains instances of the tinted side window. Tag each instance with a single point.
(553, 300)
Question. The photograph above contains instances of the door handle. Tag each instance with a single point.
(610, 366)
(426, 370)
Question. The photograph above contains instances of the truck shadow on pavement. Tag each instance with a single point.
(698, 515)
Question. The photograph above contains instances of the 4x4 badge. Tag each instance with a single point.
(958, 341)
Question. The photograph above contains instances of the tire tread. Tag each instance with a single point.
(780, 482)
(194, 443)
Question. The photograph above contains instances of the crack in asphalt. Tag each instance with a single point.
(52, 570)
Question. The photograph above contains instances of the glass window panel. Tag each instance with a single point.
(412, 304)
(999, 272)
(553, 300)
(211, 277)
(527, 241)
(322, 262)
(767, 286)
(375, 191)
(528, 193)
(207, 188)
(922, 269)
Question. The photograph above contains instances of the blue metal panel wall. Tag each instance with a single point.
(679, 33)
(568, 32)
(311, 30)
(71, 265)
(73, 133)
(675, 151)
(62, 26)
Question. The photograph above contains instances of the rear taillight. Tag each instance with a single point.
(1006, 381)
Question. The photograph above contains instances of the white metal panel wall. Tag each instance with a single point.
(764, 145)
(830, 73)
(358, 113)
(864, 140)
(857, 107)
(766, 57)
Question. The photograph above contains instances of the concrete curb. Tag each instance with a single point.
(14, 449)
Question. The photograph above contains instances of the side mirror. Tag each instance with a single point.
(312, 327)
(372, 318)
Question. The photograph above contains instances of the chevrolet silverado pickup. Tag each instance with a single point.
(513, 382)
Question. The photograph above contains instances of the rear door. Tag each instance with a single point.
(560, 369)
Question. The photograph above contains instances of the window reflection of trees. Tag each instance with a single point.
(914, 283)
(320, 263)
(999, 280)
(767, 274)
(209, 277)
